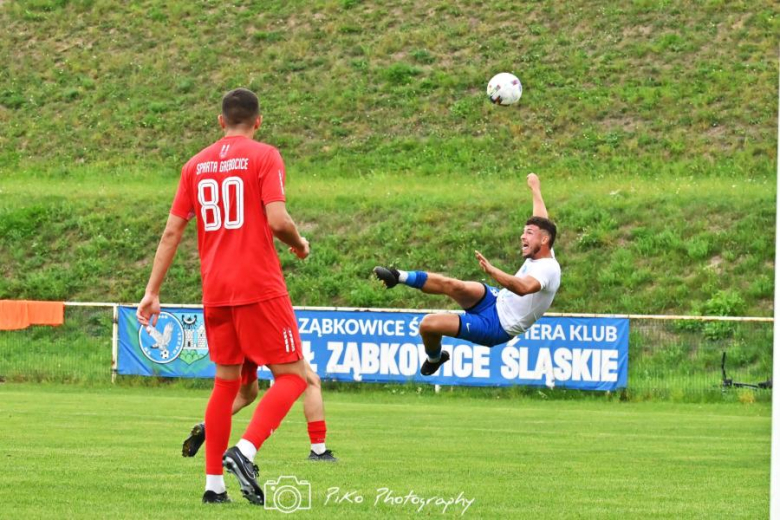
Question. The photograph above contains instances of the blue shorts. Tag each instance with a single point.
(480, 323)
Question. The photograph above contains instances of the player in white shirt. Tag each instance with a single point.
(492, 317)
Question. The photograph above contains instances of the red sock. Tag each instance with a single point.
(218, 421)
(317, 431)
(272, 408)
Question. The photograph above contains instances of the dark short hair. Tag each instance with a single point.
(545, 224)
(240, 107)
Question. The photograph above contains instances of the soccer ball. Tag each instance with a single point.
(504, 89)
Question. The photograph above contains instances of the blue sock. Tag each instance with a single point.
(416, 279)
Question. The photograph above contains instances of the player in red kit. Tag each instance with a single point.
(235, 188)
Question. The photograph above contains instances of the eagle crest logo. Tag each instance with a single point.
(164, 342)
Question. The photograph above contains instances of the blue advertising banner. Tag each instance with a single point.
(372, 346)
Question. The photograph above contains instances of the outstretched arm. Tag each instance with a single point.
(149, 308)
(520, 285)
(540, 210)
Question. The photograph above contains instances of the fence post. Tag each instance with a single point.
(774, 457)
(114, 342)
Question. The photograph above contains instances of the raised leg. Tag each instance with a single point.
(465, 294)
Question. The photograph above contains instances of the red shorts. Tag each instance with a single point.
(264, 333)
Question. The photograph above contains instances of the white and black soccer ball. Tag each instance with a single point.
(504, 89)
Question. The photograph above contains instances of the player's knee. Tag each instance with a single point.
(313, 380)
(449, 284)
(454, 286)
(296, 368)
(429, 325)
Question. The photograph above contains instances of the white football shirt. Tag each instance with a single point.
(517, 313)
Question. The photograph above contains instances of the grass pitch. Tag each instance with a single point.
(115, 452)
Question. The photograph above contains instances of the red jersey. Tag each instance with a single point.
(227, 186)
